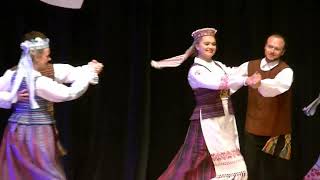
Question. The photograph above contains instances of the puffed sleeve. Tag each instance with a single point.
(5, 85)
(65, 73)
(5, 80)
(57, 92)
(237, 76)
(280, 84)
(200, 77)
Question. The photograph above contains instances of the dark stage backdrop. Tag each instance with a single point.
(131, 125)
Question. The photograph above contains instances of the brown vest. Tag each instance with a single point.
(48, 72)
(268, 116)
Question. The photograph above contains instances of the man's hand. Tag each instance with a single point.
(254, 80)
(23, 95)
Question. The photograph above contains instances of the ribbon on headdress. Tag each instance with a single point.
(312, 107)
(170, 62)
(178, 60)
(173, 61)
(25, 70)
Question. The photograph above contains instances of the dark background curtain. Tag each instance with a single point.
(131, 125)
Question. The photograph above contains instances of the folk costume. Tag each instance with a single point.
(30, 149)
(211, 148)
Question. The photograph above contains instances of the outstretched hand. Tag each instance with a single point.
(97, 66)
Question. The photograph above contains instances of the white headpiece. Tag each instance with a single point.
(36, 43)
(25, 69)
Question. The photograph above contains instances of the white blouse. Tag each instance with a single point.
(201, 77)
(208, 75)
(54, 90)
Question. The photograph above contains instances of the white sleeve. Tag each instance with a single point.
(5, 85)
(56, 92)
(241, 70)
(280, 84)
(65, 73)
(237, 77)
(200, 77)
(4, 102)
(5, 80)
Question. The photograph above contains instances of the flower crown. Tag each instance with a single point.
(36, 43)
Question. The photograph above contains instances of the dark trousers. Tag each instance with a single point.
(263, 166)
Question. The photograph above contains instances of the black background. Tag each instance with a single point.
(131, 125)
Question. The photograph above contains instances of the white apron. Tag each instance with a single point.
(221, 137)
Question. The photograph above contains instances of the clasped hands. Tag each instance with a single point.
(254, 80)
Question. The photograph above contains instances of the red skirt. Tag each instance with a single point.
(30, 152)
(193, 161)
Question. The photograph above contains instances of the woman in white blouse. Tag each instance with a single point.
(29, 148)
(211, 148)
